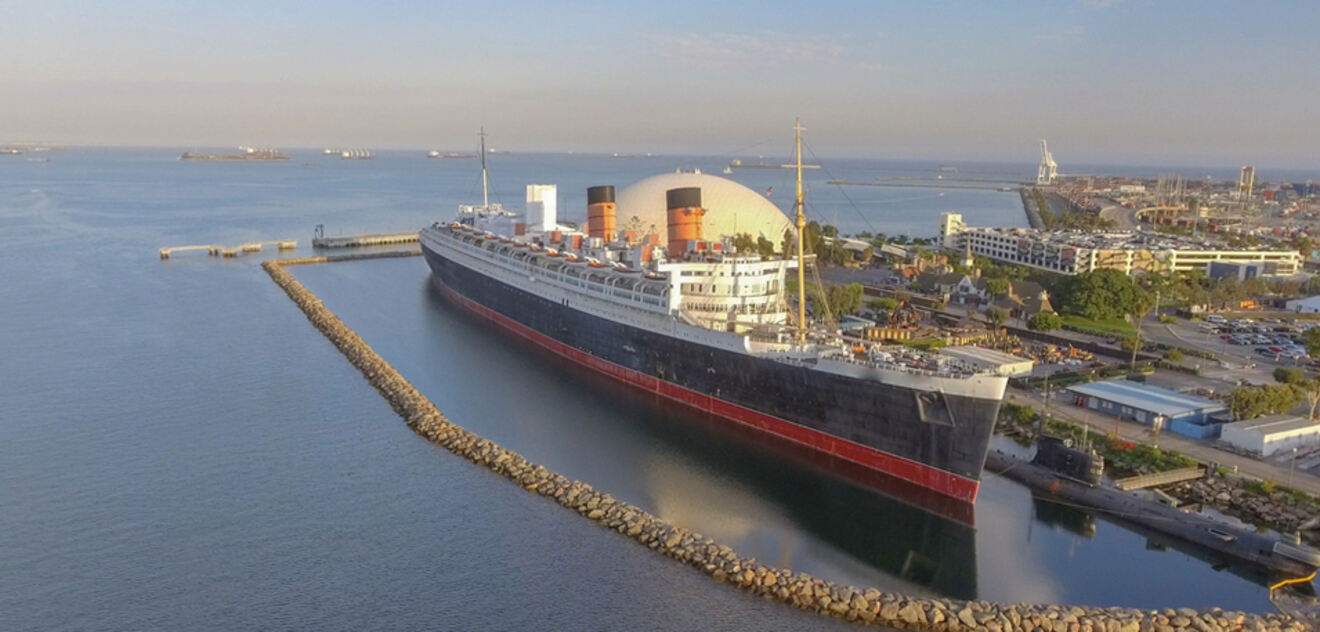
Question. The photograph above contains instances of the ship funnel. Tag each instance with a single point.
(685, 215)
(600, 212)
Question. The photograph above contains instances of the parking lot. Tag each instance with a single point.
(1240, 343)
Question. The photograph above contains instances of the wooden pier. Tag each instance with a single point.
(229, 251)
(359, 241)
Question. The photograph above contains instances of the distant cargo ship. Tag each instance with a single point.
(712, 328)
(451, 155)
(249, 154)
(356, 154)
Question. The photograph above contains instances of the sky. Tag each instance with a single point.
(1202, 83)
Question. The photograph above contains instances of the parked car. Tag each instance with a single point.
(1267, 353)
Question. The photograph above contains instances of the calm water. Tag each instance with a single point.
(179, 449)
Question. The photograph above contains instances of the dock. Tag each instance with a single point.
(229, 251)
(319, 240)
(1279, 556)
(358, 241)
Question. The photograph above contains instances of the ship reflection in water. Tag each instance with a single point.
(762, 495)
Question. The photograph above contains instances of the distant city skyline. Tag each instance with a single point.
(1178, 83)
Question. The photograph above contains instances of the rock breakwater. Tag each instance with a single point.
(869, 606)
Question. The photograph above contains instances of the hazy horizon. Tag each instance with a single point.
(1106, 82)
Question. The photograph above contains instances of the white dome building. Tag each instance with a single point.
(731, 208)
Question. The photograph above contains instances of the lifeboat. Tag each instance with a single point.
(456, 226)
(519, 244)
(654, 276)
(552, 252)
(571, 257)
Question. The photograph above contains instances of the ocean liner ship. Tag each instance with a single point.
(702, 324)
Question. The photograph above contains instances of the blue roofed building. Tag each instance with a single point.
(1151, 405)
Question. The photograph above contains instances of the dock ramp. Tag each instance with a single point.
(1159, 478)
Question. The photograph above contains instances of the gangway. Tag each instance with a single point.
(1159, 478)
(1297, 599)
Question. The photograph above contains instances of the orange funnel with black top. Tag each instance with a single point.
(685, 214)
(600, 212)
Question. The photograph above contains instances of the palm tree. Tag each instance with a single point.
(1141, 307)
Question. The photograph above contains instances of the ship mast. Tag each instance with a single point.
(485, 201)
(801, 234)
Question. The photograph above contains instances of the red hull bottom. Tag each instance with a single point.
(934, 479)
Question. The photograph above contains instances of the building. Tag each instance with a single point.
(1309, 305)
(1024, 299)
(1151, 405)
(1240, 271)
(997, 361)
(1268, 436)
(1077, 252)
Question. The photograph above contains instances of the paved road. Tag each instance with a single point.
(1199, 450)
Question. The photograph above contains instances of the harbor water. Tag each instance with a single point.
(180, 449)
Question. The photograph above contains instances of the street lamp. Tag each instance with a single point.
(1291, 466)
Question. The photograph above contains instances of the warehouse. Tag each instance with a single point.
(1271, 435)
(1151, 405)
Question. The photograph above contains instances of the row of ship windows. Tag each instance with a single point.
(628, 295)
(761, 272)
(753, 290)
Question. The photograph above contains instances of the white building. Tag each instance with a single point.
(1268, 436)
(1309, 305)
(1077, 252)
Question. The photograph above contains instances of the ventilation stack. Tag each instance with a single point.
(600, 212)
(541, 207)
(685, 214)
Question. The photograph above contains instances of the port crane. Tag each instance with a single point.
(1049, 170)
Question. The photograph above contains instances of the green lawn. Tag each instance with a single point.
(1114, 327)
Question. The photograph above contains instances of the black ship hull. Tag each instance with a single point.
(873, 424)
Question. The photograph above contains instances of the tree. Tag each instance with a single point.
(1174, 355)
(1017, 414)
(1104, 294)
(1311, 389)
(1311, 340)
(843, 299)
(996, 317)
(1137, 310)
(1284, 375)
(1045, 321)
(1249, 402)
(997, 286)
(744, 243)
(765, 247)
(883, 303)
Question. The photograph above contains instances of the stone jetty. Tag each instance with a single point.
(800, 590)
